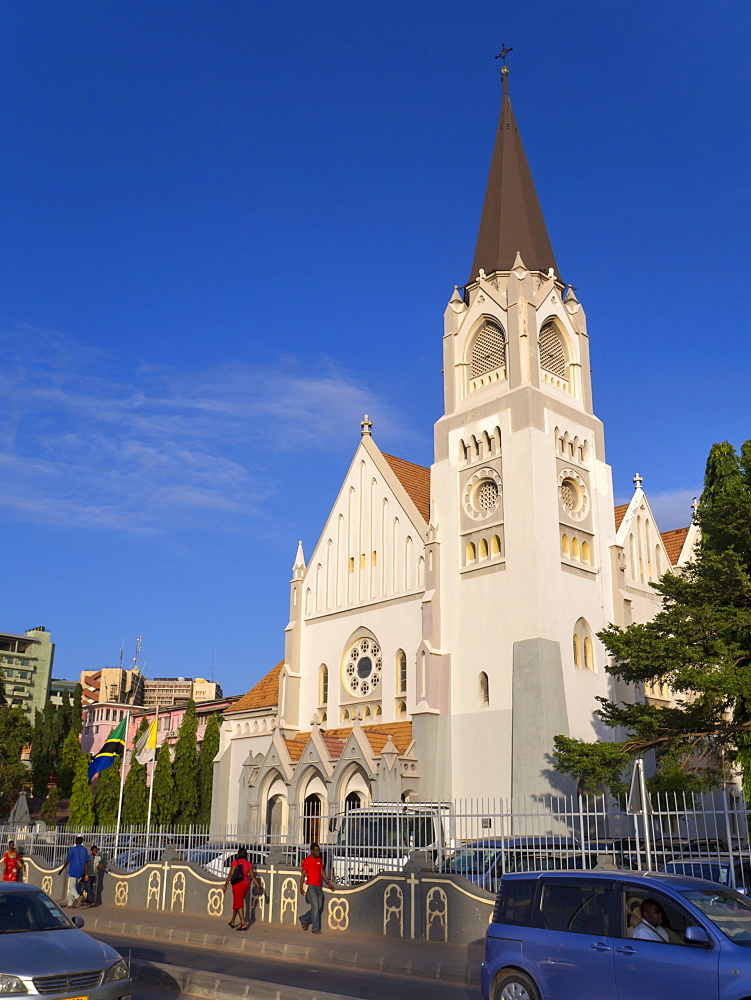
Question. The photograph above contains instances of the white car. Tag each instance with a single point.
(45, 953)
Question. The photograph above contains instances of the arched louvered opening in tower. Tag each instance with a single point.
(554, 360)
(487, 361)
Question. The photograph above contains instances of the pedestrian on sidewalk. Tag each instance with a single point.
(11, 864)
(239, 877)
(313, 874)
(97, 866)
(77, 863)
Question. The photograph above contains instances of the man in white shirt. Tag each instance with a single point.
(650, 926)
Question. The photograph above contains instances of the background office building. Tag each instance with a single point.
(26, 663)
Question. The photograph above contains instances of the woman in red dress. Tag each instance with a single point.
(11, 864)
(239, 877)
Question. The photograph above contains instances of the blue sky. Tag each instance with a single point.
(230, 229)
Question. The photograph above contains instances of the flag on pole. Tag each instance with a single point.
(146, 746)
(113, 748)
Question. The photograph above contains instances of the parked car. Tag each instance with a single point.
(736, 874)
(134, 858)
(571, 936)
(483, 862)
(217, 858)
(42, 951)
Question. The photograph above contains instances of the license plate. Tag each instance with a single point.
(78, 998)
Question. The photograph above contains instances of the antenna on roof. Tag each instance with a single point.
(122, 653)
(138, 651)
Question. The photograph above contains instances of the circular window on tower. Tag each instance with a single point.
(482, 494)
(572, 494)
(362, 668)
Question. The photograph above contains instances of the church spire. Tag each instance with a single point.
(512, 220)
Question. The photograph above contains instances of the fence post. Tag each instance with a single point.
(728, 835)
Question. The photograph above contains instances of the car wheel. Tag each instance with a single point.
(514, 985)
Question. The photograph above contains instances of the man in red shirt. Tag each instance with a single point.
(313, 873)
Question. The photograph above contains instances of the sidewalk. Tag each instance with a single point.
(422, 959)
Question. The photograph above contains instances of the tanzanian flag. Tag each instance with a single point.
(112, 749)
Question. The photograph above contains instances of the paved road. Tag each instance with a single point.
(305, 975)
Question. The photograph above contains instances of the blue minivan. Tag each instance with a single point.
(582, 936)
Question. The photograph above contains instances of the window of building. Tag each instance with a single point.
(488, 350)
(323, 686)
(583, 645)
(401, 672)
(484, 689)
(552, 352)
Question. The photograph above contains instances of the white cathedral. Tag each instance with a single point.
(443, 630)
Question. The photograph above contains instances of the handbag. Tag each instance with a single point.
(237, 876)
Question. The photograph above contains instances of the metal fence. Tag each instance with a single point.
(481, 840)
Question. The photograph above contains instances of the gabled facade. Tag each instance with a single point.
(443, 630)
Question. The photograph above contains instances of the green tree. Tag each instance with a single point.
(164, 805)
(76, 719)
(48, 812)
(186, 768)
(3, 699)
(107, 795)
(136, 791)
(209, 750)
(65, 711)
(41, 757)
(15, 732)
(66, 770)
(81, 815)
(699, 644)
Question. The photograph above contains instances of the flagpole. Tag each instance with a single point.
(151, 786)
(122, 785)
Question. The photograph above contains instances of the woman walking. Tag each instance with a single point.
(239, 877)
(11, 864)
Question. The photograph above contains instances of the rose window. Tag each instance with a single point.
(486, 495)
(362, 670)
(569, 498)
(573, 495)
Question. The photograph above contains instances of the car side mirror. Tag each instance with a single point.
(698, 937)
(78, 921)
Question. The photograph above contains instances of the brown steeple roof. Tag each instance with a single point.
(511, 219)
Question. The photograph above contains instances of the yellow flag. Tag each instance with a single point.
(146, 746)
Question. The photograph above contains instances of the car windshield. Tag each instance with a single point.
(471, 859)
(728, 911)
(30, 911)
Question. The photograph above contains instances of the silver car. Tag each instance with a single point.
(44, 953)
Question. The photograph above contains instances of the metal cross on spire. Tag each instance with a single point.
(637, 481)
(366, 425)
(504, 68)
(503, 53)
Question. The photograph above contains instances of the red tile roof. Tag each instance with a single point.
(674, 543)
(620, 513)
(377, 736)
(416, 481)
(264, 695)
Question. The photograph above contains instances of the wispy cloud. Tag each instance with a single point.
(84, 443)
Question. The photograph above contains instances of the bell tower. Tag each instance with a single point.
(521, 496)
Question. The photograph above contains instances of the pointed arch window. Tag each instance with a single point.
(553, 357)
(484, 689)
(401, 672)
(323, 685)
(488, 351)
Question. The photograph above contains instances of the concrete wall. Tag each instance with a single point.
(407, 905)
